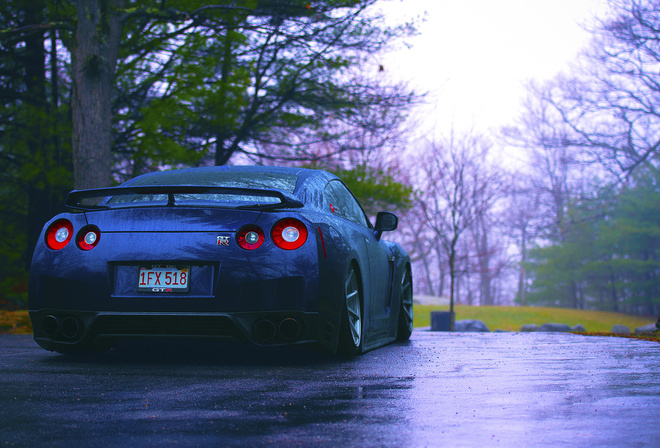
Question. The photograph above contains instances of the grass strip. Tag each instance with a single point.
(511, 318)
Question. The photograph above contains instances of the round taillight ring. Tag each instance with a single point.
(88, 237)
(59, 234)
(289, 234)
(250, 237)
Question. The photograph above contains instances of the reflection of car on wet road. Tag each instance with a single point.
(439, 389)
(268, 255)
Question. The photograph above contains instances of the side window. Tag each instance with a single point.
(344, 203)
(331, 200)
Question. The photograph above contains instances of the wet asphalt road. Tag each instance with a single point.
(440, 389)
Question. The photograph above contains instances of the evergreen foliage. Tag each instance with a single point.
(375, 189)
(35, 136)
(609, 256)
(193, 83)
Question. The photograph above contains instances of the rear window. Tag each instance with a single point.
(259, 180)
(193, 199)
(255, 180)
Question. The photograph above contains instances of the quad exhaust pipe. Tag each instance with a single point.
(266, 330)
(70, 328)
(289, 329)
(51, 325)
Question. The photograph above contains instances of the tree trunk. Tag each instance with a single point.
(94, 58)
(573, 293)
(44, 199)
(522, 279)
(222, 153)
(427, 271)
(483, 256)
(441, 273)
(35, 97)
(469, 295)
(452, 279)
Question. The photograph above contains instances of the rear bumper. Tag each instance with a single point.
(70, 331)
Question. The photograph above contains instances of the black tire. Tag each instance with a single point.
(406, 307)
(350, 331)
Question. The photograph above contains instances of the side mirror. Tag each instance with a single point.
(385, 222)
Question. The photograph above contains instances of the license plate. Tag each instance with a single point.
(164, 278)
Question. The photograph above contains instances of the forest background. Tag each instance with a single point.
(94, 92)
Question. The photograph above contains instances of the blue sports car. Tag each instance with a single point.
(272, 256)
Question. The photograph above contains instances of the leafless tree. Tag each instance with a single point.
(420, 244)
(457, 188)
(488, 250)
(607, 109)
(558, 171)
(554, 166)
(524, 221)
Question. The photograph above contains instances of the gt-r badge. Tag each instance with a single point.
(223, 241)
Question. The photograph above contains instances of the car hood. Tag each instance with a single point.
(171, 219)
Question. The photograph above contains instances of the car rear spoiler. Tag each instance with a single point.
(82, 199)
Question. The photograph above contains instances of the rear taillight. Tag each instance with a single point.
(88, 237)
(289, 234)
(250, 237)
(59, 234)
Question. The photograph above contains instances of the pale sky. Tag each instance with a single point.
(475, 56)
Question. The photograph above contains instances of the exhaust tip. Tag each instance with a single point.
(264, 330)
(50, 325)
(290, 329)
(71, 327)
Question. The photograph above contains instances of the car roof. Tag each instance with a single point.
(302, 174)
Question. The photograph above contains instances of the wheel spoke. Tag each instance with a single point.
(353, 307)
(407, 299)
(406, 296)
(409, 314)
(350, 279)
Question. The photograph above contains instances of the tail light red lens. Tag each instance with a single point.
(88, 237)
(59, 234)
(289, 234)
(250, 237)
